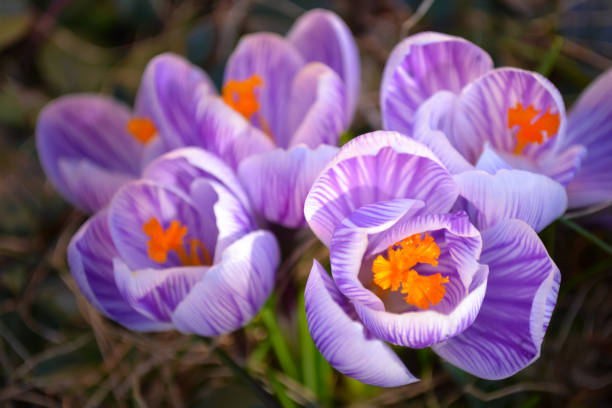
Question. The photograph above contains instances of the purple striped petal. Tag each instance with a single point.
(140, 201)
(533, 198)
(320, 35)
(377, 166)
(226, 133)
(181, 167)
(521, 295)
(431, 122)
(424, 328)
(343, 340)
(317, 109)
(169, 93)
(277, 62)
(350, 243)
(85, 136)
(279, 181)
(422, 65)
(90, 256)
(156, 292)
(490, 161)
(233, 291)
(481, 114)
(590, 124)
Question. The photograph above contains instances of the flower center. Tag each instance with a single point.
(241, 96)
(397, 270)
(532, 125)
(142, 129)
(162, 241)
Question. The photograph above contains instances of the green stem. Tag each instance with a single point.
(591, 237)
(279, 345)
(264, 396)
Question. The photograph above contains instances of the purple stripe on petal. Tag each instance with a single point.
(87, 129)
(169, 93)
(482, 112)
(375, 167)
(533, 198)
(156, 292)
(420, 66)
(276, 62)
(279, 181)
(590, 124)
(135, 205)
(343, 340)
(350, 241)
(424, 328)
(231, 292)
(521, 293)
(320, 35)
(226, 133)
(181, 167)
(317, 111)
(432, 122)
(90, 256)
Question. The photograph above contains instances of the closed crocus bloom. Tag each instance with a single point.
(90, 145)
(177, 248)
(497, 118)
(408, 268)
(295, 96)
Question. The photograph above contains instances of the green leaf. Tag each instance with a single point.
(279, 345)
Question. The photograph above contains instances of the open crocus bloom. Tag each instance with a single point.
(299, 92)
(407, 268)
(177, 248)
(90, 145)
(498, 118)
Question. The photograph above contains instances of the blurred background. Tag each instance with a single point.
(57, 351)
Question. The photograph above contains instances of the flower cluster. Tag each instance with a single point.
(431, 224)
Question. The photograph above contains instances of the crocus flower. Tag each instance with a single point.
(498, 118)
(406, 268)
(298, 93)
(90, 145)
(176, 248)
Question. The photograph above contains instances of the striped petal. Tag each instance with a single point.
(226, 133)
(90, 255)
(317, 109)
(422, 65)
(279, 181)
(375, 167)
(140, 201)
(320, 35)
(533, 198)
(231, 292)
(590, 125)
(169, 93)
(85, 136)
(277, 63)
(521, 294)
(156, 292)
(343, 340)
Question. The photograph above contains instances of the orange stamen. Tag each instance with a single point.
(397, 270)
(142, 129)
(531, 131)
(241, 96)
(162, 241)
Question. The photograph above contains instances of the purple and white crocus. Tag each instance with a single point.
(177, 248)
(410, 269)
(284, 102)
(498, 118)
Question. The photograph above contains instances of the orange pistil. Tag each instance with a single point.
(531, 131)
(172, 240)
(241, 96)
(142, 129)
(397, 270)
